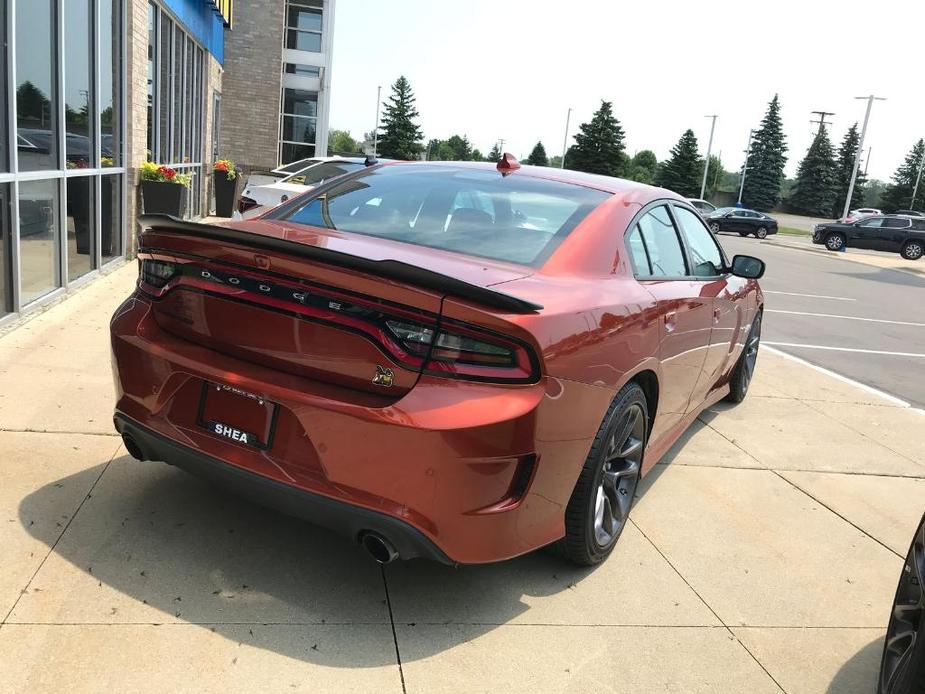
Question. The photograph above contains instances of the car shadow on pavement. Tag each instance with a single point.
(154, 545)
(860, 672)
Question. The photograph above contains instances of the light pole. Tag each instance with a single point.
(918, 179)
(706, 164)
(376, 129)
(568, 118)
(867, 160)
(748, 148)
(857, 154)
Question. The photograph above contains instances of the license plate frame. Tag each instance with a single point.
(229, 431)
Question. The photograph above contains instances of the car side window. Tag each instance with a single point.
(872, 223)
(706, 257)
(897, 223)
(662, 243)
(638, 255)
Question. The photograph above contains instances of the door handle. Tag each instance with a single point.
(671, 321)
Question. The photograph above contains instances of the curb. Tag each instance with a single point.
(914, 272)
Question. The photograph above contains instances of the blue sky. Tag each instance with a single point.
(511, 69)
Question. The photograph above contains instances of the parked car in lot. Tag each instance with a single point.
(742, 221)
(854, 215)
(702, 206)
(446, 360)
(255, 200)
(903, 235)
(902, 667)
(263, 178)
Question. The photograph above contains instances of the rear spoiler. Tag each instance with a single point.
(390, 269)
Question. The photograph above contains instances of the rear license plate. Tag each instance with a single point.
(236, 415)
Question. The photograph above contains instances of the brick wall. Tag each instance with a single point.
(136, 111)
(251, 84)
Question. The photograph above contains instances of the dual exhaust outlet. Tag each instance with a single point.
(379, 547)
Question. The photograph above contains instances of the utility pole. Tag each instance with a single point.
(867, 161)
(501, 142)
(568, 118)
(745, 165)
(857, 154)
(706, 163)
(821, 121)
(918, 179)
(376, 129)
(716, 175)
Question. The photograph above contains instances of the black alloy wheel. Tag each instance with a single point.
(761, 233)
(600, 505)
(714, 227)
(744, 369)
(902, 668)
(913, 250)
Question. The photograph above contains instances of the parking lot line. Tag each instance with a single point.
(847, 349)
(811, 296)
(831, 315)
(839, 377)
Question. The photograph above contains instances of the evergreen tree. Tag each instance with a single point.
(643, 167)
(844, 165)
(33, 107)
(766, 159)
(495, 154)
(538, 156)
(715, 175)
(682, 173)
(401, 137)
(898, 195)
(816, 184)
(599, 146)
(460, 147)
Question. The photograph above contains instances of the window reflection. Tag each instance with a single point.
(4, 158)
(80, 222)
(6, 297)
(38, 238)
(35, 88)
(110, 82)
(77, 94)
(111, 217)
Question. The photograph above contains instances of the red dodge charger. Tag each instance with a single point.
(457, 361)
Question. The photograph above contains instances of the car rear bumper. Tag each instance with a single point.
(482, 472)
(346, 519)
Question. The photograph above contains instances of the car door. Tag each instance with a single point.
(726, 293)
(685, 314)
(892, 234)
(864, 234)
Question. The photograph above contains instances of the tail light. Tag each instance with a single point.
(467, 352)
(442, 347)
(245, 204)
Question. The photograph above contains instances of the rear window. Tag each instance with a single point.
(478, 212)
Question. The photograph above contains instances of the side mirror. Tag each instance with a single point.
(747, 267)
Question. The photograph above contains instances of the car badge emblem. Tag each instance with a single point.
(263, 262)
(384, 377)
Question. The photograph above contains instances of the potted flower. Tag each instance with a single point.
(163, 189)
(225, 183)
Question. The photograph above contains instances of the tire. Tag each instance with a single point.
(616, 454)
(913, 250)
(835, 241)
(902, 667)
(744, 369)
(761, 233)
(714, 227)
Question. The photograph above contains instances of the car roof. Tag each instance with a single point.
(629, 191)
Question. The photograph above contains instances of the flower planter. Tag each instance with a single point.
(225, 193)
(163, 198)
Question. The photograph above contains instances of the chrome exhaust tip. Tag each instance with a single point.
(378, 547)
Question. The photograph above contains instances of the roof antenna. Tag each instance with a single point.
(508, 164)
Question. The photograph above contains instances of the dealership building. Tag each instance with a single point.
(90, 89)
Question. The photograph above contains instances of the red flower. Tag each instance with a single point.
(221, 166)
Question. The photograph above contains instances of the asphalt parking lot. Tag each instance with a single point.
(762, 556)
(858, 320)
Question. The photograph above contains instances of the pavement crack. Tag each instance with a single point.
(388, 602)
(706, 604)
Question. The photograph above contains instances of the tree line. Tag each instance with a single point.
(820, 187)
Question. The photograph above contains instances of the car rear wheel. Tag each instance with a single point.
(745, 368)
(912, 250)
(761, 232)
(902, 668)
(714, 227)
(834, 242)
(600, 504)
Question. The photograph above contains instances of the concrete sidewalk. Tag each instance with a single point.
(762, 557)
(882, 260)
